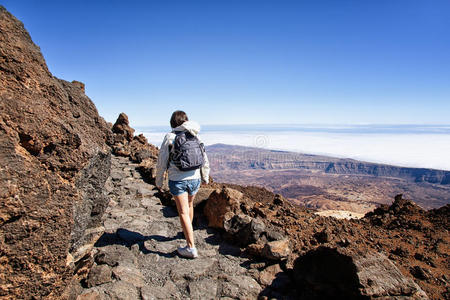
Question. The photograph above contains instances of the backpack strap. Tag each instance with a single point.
(171, 147)
(170, 156)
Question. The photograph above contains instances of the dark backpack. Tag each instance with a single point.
(187, 151)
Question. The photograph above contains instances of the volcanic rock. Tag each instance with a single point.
(327, 272)
(55, 159)
(99, 274)
(420, 273)
(276, 250)
(136, 148)
(129, 273)
(123, 131)
(267, 276)
(202, 195)
(243, 230)
(222, 206)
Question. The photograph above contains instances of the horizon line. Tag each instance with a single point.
(309, 124)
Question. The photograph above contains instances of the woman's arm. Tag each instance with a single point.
(205, 169)
(163, 159)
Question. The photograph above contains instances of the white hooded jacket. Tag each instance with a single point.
(173, 172)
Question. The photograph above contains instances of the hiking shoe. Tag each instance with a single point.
(188, 252)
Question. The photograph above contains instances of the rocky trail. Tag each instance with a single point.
(136, 257)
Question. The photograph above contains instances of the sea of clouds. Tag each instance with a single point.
(402, 145)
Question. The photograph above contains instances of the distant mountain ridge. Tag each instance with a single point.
(259, 158)
(327, 183)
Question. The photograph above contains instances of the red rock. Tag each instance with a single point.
(79, 85)
(99, 274)
(136, 148)
(55, 158)
(221, 206)
(122, 127)
(276, 250)
(268, 274)
(91, 295)
(202, 195)
(255, 249)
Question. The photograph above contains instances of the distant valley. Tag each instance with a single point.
(328, 183)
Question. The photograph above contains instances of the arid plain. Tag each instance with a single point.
(328, 183)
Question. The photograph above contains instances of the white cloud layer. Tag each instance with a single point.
(409, 150)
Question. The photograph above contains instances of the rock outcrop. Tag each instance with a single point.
(228, 209)
(136, 148)
(403, 255)
(55, 159)
(324, 272)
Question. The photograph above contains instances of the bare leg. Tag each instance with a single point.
(185, 219)
(191, 206)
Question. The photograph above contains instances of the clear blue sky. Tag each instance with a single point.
(237, 62)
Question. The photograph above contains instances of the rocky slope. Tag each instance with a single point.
(55, 159)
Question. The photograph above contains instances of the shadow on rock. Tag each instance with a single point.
(229, 249)
(225, 248)
(129, 238)
(281, 287)
(165, 197)
(169, 212)
(325, 273)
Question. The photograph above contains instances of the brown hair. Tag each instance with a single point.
(178, 118)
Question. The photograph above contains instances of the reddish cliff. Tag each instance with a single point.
(55, 159)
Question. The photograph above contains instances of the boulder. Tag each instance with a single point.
(228, 209)
(99, 274)
(202, 195)
(111, 255)
(243, 230)
(339, 272)
(420, 273)
(147, 169)
(136, 148)
(123, 131)
(129, 273)
(269, 274)
(221, 206)
(276, 250)
(240, 287)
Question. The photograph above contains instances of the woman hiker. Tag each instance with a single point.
(183, 185)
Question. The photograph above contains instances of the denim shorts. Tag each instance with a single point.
(179, 187)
